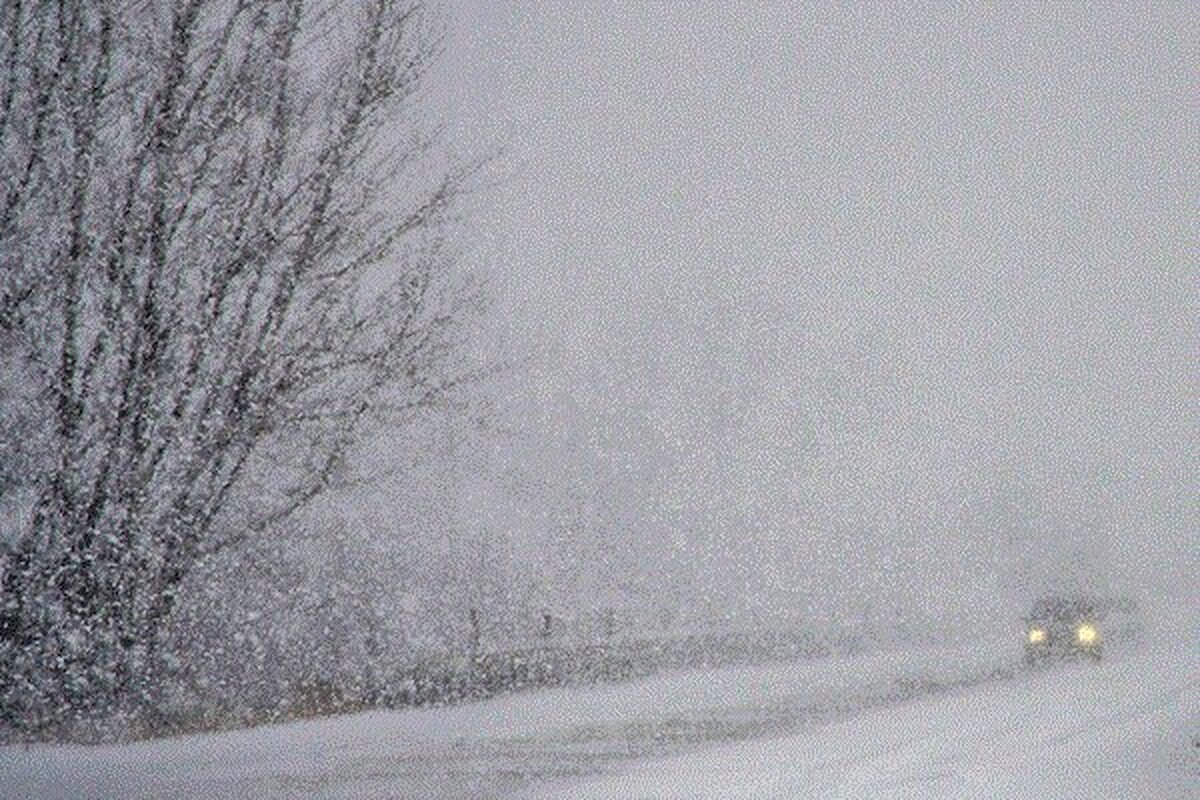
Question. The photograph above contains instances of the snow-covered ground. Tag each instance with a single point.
(1127, 729)
(956, 721)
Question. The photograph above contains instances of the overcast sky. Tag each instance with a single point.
(811, 285)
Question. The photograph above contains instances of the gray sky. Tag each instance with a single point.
(811, 285)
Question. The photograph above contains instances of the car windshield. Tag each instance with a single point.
(1062, 608)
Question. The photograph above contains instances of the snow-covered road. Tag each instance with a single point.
(1127, 729)
(951, 721)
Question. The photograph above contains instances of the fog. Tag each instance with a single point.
(404, 354)
(830, 306)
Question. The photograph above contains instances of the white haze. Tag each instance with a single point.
(824, 311)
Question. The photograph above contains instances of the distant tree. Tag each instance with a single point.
(222, 255)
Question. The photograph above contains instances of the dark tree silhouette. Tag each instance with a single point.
(222, 254)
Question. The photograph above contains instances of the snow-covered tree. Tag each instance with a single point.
(222, 258)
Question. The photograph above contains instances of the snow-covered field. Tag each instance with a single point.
(947, 722)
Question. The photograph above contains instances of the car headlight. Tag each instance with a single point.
(1036, 635)
(1086, 634)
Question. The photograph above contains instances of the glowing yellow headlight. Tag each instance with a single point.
(1086, 634)
(1037, 635)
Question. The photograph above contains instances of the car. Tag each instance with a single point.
(1060, 627)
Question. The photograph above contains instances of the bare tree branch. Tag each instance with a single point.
(209, 261)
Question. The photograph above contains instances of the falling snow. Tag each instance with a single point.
(667, 400)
